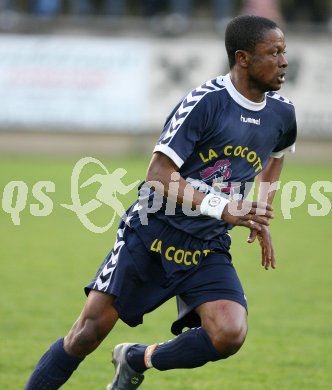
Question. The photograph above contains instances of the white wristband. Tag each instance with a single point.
(213, 205)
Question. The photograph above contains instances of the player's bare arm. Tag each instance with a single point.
(270, 175)
(161, 172)
(266, 183)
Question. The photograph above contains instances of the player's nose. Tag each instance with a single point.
(283, 63)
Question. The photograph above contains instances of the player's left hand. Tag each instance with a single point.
(265, 241)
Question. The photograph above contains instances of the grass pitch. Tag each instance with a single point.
(45, 262)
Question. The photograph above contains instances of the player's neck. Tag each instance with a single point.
(242, 85)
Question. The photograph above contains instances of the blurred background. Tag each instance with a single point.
(101, 75)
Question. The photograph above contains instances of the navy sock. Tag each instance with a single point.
(190, 349)
(53, 369)
(135, 357)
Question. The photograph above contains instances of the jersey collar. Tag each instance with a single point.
(240, 99)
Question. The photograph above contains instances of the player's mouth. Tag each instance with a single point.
(281, 78)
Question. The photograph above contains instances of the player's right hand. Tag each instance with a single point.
(249, 214)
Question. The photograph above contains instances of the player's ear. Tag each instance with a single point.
(242, 58)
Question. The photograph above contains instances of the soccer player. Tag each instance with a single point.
(174, 240)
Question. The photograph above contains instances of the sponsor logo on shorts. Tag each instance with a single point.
(179, 255)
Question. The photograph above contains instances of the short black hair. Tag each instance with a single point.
(244, 32)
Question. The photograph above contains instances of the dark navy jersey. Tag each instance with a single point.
(220, 141)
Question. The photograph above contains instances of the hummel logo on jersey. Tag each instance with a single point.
(134, 380)
(250, 120)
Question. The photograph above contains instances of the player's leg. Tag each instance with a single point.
(214, 308)
(223, 331)
(93, 325)
(64, 356)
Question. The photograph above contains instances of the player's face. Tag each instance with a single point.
(267, 64)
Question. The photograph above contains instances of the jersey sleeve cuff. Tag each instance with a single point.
(169, 152)
(281, 153)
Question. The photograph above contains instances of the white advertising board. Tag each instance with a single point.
(72, 83)
(130, 85)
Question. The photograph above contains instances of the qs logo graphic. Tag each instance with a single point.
(110, 185)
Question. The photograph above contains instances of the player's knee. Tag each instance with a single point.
(227, 334)
(228, 338)
(226, 324)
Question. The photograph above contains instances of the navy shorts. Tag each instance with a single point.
(150, 264)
